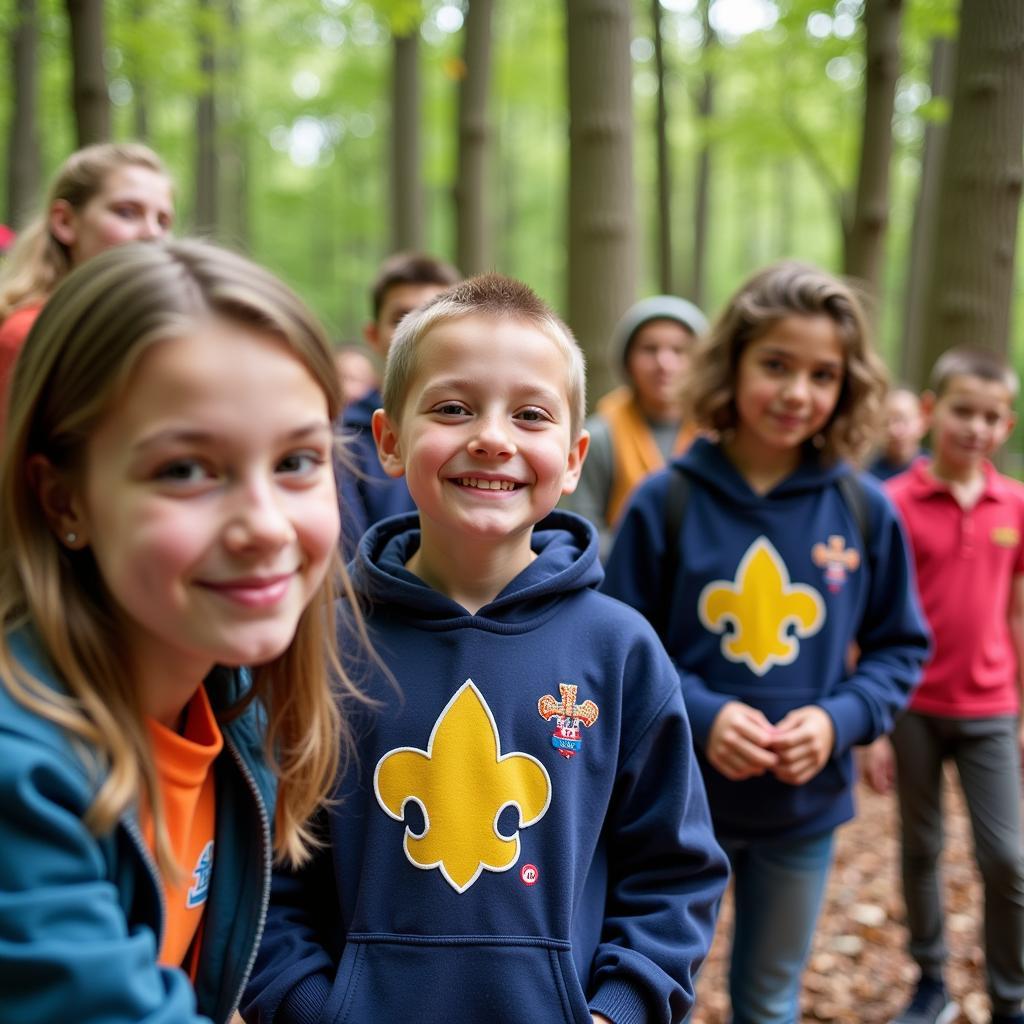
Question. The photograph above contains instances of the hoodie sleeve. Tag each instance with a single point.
(635, 573)
(667, 873)
(294, 971)
(67, 949)
(893, 638)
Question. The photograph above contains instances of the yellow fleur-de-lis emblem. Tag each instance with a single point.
(768, 614)
(462, 782)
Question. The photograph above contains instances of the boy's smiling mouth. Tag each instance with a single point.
(486, 483)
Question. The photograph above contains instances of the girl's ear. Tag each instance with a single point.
(385, 434)
(59, 502)
(63, 222)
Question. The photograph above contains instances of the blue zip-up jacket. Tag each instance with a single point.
(366, 494)
(771, 592)
(81, 916)
(526, 836)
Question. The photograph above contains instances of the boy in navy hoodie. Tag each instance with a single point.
(526, 836)
(404, 282)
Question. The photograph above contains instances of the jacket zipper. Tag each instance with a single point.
(135, 833)
(265, 847)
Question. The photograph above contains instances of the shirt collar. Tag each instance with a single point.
(926, 484)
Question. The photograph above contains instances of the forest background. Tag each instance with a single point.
(319, 135)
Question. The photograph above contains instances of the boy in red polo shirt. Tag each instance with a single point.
(965, 522)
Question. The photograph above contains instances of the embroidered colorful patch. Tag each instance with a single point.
(768, 614)
(1005, 536)
(462, 783)
(837, 560)
(568, 715)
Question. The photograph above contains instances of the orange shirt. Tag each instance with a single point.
(13, 332)
(635, 451)
(184, 766)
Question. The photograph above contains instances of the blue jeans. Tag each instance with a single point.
(778, 886)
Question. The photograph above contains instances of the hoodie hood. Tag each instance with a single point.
(566, 547)
(706, 462)
(656, 307)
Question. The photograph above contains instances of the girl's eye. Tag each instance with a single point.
(125, 211)
(301, 463)
(773, 365)
(183, 471)
(826, 376)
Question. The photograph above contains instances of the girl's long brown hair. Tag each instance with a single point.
(75, 362)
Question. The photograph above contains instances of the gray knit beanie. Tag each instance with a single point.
(656, 307)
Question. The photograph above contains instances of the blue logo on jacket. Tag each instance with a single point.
(201, 873)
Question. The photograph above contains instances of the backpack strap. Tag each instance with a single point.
(856, 497)
(676, 498)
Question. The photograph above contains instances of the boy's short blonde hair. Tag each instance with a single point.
(984, 363)
(489, 295)
(782, 290)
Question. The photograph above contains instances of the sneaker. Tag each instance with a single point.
(931, 1005)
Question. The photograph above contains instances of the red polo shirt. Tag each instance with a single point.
(966, 560)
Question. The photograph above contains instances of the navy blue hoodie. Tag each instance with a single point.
(526, 836)
(771, 592)
(366, 493)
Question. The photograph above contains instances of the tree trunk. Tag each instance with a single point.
(139, 12)
(472, 188)
(926, 215)
(602, 217)
(206, 179)
(785, 244)
(702, 186)
(23, 133)
(980, 188)
(406, 184)
(89, 97)
(865, 240)
(664, 208)
(234, 163)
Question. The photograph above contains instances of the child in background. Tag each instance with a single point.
(965, 523)
(404, 282)
(357, 376)
(102, 196)
(785, 557)
(168, 515)
(904, 428)
(527, 838)
(639, 426)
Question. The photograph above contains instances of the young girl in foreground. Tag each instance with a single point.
(781, 566)
(167, 514)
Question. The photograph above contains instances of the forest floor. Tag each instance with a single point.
(859, 971)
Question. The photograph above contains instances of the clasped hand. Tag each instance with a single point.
(743, 744)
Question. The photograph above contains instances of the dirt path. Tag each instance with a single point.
(859, 972)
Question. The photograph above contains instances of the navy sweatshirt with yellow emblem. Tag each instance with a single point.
(770, 593)
(525, 836)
